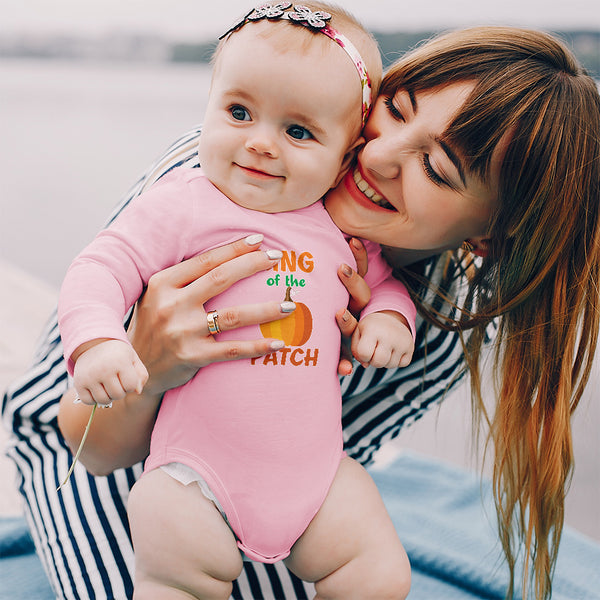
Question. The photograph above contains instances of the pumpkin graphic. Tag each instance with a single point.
(295, 329)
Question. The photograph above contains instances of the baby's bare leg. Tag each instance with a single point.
(183, 546)
(350, 549)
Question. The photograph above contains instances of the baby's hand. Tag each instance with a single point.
(383, 339)
(108, 370)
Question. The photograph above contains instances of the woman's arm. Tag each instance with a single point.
(169, 333)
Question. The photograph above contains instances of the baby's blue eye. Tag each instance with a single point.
(299, 133)
(239, 113)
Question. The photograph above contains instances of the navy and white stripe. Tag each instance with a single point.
(81, 533)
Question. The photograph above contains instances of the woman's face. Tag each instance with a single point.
(409, 188)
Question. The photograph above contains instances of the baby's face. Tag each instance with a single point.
(282, 117)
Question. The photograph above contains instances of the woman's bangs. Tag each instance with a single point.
(479, 125)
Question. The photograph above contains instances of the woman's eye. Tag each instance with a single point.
(299, 133)
(393, 109)
(430, 172)
(239, 113)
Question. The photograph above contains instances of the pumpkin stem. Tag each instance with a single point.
(288, 295)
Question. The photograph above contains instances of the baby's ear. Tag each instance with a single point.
(348, 158)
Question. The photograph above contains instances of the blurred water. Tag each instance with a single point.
(73, 137)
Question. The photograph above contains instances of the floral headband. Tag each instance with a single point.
(316, 21)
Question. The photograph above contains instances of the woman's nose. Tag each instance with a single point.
(382, 158)
(262, 142)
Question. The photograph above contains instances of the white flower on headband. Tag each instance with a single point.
(271, 11)
(314, 19)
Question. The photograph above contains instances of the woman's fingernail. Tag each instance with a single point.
(274, 254)
(345, 316)
(277, 345)
(255, 238)
(287, 306)
(356, 243)
(77, 400)
(346, 270)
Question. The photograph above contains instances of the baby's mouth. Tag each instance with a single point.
(369, 192)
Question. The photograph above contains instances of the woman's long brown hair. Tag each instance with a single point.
(541, 277)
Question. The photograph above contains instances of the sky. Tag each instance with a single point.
(204, 20)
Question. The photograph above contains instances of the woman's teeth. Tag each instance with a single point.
(369, 192)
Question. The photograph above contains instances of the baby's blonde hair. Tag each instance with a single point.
(348, 25)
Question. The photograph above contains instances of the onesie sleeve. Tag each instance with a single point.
(109, 275)
(387, 293)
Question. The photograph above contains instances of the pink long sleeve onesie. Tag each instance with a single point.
(265, 434)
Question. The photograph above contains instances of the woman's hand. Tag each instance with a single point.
(360, 294)
(169, 328)
(169, 331)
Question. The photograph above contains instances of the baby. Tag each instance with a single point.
(260, 440)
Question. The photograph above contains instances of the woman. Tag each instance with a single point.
(512, 166)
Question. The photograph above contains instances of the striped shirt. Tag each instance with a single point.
(81, 533)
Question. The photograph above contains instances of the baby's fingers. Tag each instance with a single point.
(131, 379)
(94, 394)
(84, 396)
(382, 358)
(90, 391)
(405, 359)
(391, 358)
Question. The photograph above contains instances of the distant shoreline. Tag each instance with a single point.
(130, 47)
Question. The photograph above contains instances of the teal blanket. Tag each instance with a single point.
(446, 520)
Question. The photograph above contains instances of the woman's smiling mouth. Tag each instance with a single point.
(368, 192)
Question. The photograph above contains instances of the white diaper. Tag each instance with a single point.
(187, 475)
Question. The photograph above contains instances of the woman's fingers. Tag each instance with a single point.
(359, 291)
(225, 275)
(241, 316)
(360, 294)
(252, 314)
(360, 256)
(203, 351)
(207, 354)
(347, 324)
(189, 270)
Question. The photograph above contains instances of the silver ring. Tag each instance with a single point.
(212, 318)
